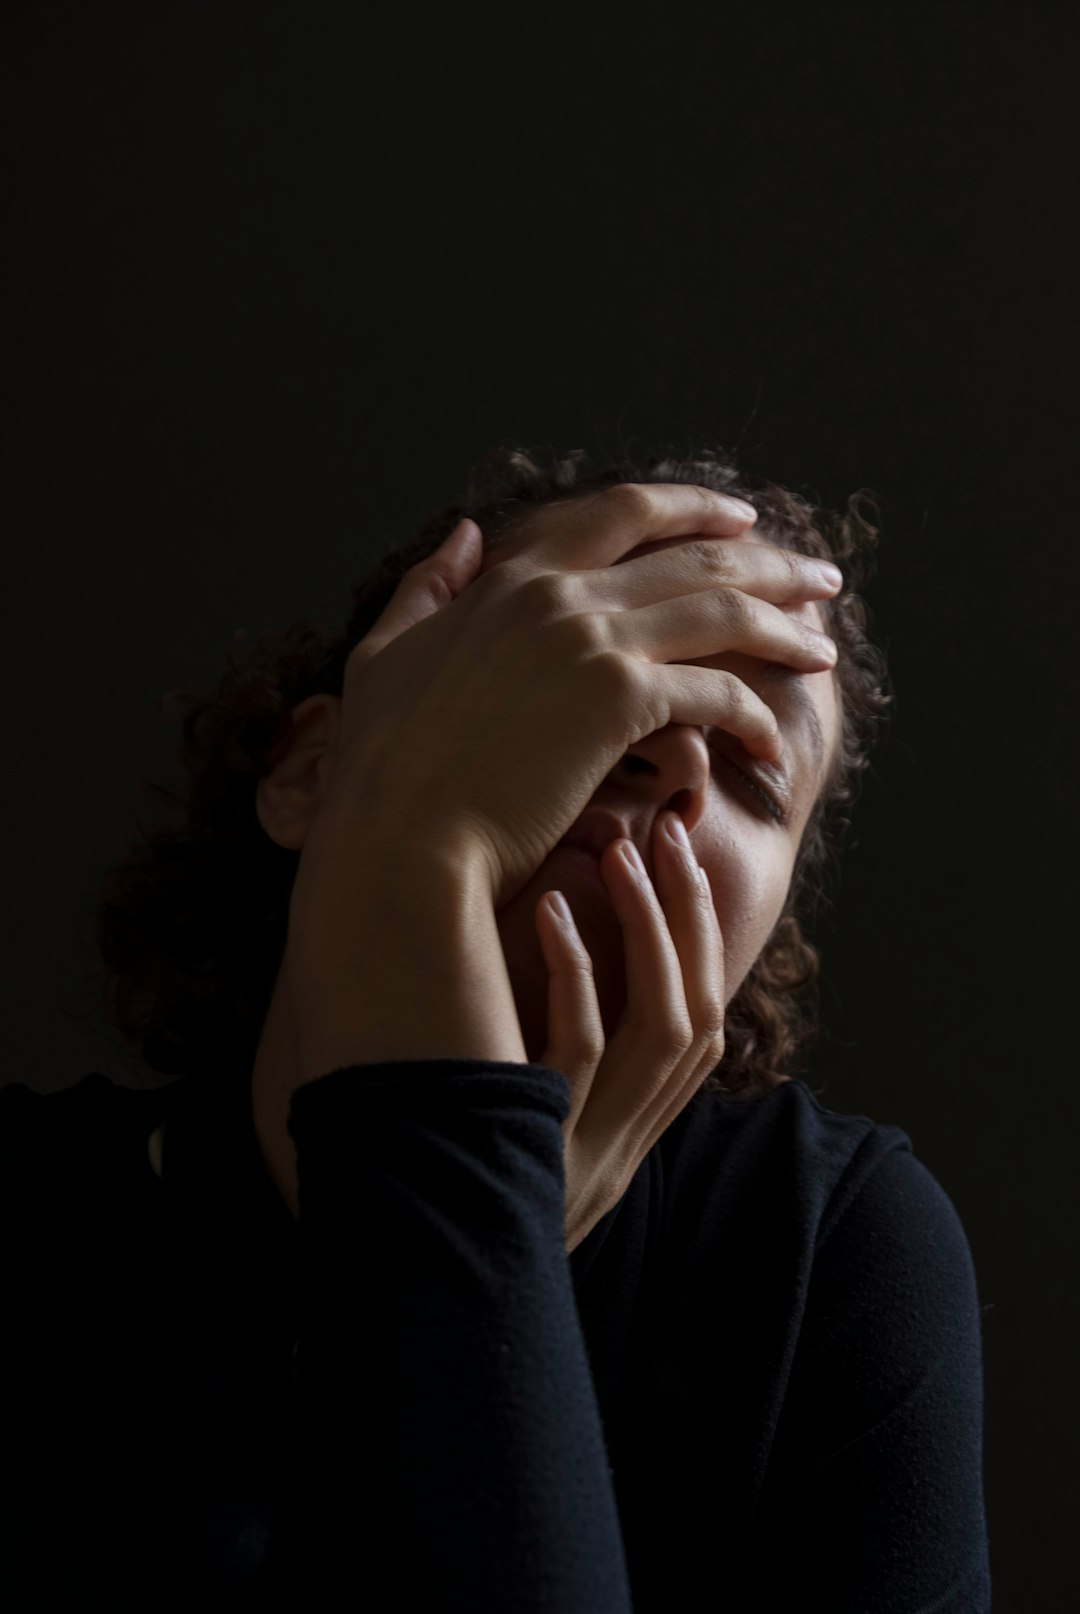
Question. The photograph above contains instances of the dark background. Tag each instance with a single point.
(276, 279)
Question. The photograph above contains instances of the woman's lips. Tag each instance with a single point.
(583, 868)
(581, 857)
(574, 846)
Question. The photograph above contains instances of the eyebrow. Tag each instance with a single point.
(799, 702)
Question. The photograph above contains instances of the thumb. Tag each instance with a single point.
(429, 585)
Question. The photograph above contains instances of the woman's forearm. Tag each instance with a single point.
(415, 970)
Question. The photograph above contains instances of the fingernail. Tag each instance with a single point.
(561, 908)
(676, 831)
(629, 852)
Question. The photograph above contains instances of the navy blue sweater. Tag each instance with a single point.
(756, 1384)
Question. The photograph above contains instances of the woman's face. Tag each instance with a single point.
(747, 854)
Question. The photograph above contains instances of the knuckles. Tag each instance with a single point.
(796, 576)
(710, 1033)
(722, 559)
(673, 1038)
(736, 610)
(548, 595)
(632, 502)
(437, 577)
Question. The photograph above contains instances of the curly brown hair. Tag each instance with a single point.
(190, 926)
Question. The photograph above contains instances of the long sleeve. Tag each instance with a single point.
(756, 1384)
(446, 1443)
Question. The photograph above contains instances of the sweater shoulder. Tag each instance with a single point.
(785, 1149)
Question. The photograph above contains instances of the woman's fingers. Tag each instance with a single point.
(626, 1093)
(686, 896)
(673, 977)
(598, 527)
(426, 587)
(575, 1025)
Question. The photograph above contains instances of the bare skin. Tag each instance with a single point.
(748, 857)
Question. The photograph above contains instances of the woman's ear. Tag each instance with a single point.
(288, 796)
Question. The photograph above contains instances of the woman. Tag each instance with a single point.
(484, 1258)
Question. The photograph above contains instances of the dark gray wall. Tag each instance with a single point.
(275, 280)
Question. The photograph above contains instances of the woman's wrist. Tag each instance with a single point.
(416, 971)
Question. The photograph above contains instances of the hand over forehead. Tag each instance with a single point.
(521, 543)
(806, 609)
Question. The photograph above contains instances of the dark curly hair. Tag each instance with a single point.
(190, 926)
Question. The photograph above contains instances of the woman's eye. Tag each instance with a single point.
(753, 788)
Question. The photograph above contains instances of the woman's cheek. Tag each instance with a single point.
(748, 893)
